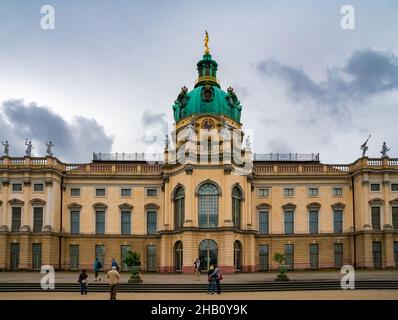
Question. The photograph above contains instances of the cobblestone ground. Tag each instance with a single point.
(276, 295)
(71, 277)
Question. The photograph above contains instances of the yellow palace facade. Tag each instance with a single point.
(206, 196)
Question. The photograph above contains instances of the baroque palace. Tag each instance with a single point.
(207, 196)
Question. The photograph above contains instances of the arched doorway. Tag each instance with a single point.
(208, 253)
(237, 255)
(178, 256)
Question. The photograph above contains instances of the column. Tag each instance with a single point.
(49, 207)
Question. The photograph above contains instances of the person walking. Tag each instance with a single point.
(217, 277)
(83, 279)
(113, 277)
(197, 269)
(212, 281)
(97, 269)
(114, 264)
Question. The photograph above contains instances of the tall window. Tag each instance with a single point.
(289, 222)
(36, 256)
(289, 256)
(151, 258)
(263, 265)
(237, 256)
(338, 255)
(208, 206)
(123, 253)
(100, 222)
(376, 218)
(377, 254)
(236, 206)
(337, 221)
(16, 218)
(395, 217)
(178, 256)
(75, 222)
(100, 254)
(14, 256)
(396, 253)
(179, 208)
(263, 221)
(125, 219)
(74, 256)
(314, 256)
(313, 217)
(151, 223)
(37, 219)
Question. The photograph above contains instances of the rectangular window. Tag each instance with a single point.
(288, 192)
(36, 256)
(75, 192)
(396, 253)
(395, 217)
(151, 258)
(151, 222)
(376, 218)
(375, 187)
(263, 260)
(100, 192)
(75, 222)
(263, 192)
(338, 255)
(394, 186)
(313, 192)
(125, 192)
(126, 222)
(14, 256)
(100, 222)
(337, 192)
(338, 221)
(38, 187)
(74, 256)
(289, 256)
(377, 254)
(17, 187)
(123, 253)
(263, 222)
(313, 216)
(37, 219)
(289, 222)
(16, 218)
(314, 256)
(100, 254)
(151, 192)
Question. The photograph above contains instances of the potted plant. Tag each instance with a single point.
(279, 258)
(133, 262)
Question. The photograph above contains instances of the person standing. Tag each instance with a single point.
(212, 282)
(197, 269)
(114, 264)
(113, 277)
(217, 277)
(97, 269)
(83, 279)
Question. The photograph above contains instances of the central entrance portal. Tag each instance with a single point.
(208, 253)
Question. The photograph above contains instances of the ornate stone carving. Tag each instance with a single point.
(49, 145)
(29, 147)
(188, 169)
(384, 150)
(6, 151)
(364, 146)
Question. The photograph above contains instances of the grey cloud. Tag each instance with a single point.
(155, 127)
(366, 73)
(74, 141)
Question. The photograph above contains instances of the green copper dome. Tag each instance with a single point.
(207, 97)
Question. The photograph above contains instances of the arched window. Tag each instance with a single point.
(178, 256)
(208, 253)
(237, 255)
(179, 208)
(208, 206)
(236, 206)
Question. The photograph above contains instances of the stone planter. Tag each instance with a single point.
(135, 275)
(282, 276)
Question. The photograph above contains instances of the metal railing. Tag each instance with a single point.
(150, 157)
(286, 156)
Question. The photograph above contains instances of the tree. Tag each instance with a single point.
(280, 258)
(133, 262)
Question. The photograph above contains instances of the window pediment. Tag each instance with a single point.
(126, 206)
(378, 201)
(313, 205)
(16, 202)
(37, 201)
(100, 205)
(394, 201)
(289, 206)
(151, 206)
(263, 205)
(338, 205)
(74, 205)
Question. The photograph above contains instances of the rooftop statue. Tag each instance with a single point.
(49, 145)
(28, 144)
(206, 40)
(384, 150)
(6, 151)
(364, 147)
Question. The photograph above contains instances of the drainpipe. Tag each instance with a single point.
(353, 221)
(61, 224)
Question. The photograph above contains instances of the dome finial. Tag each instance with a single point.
(206, 40)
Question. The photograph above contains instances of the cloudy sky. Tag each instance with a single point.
(106, 77)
